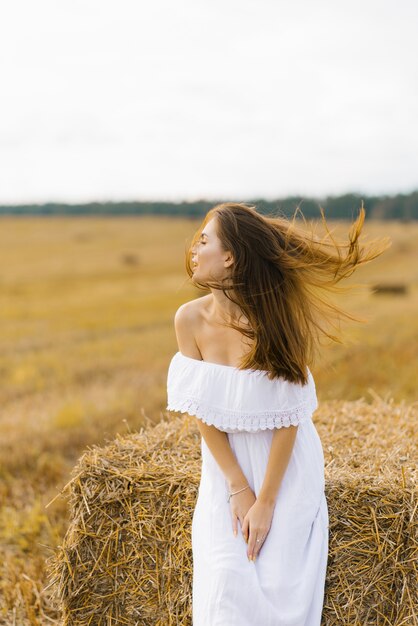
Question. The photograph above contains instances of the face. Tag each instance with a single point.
(209, 261)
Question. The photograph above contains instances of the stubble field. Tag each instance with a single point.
(86, 335)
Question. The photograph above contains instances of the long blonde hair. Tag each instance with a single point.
(277, 277)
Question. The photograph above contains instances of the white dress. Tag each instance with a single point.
(285, 585)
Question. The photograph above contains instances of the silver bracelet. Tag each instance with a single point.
(235, 492)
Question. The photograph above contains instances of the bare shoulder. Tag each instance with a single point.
(187, 320)
(192, 310)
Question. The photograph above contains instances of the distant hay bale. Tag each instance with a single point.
(126, 558)
(393, 289)
(129, 258)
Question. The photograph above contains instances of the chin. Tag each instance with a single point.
(196, 278)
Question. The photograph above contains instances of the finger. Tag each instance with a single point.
(254, 544)
(259, 542)
(244, 529)
(251, 543)
(234, 525)
(257, 546)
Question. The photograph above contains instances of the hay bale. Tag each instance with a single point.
(395, 289)
(126, 558)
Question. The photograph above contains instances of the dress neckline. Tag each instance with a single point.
(229, 367)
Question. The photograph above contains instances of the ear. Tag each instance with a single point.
(229, 260)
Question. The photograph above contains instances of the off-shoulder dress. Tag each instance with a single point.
(285, 585)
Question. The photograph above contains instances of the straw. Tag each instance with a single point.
(126, 557)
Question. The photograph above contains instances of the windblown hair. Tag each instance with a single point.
(279, 275)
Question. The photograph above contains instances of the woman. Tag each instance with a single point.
(260, 525)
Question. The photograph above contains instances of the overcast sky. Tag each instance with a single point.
(217, 99)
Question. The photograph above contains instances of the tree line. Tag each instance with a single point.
(345, 207)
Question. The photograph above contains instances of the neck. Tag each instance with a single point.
(223, 307)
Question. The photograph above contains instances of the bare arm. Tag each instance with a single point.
(217, 441)
(279, 456)
(258, 519)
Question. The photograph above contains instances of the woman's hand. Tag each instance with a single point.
(240, 503)
(256, 526)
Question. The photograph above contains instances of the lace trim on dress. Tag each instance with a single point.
(234, 419)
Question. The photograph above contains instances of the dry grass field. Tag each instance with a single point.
(86, 335)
